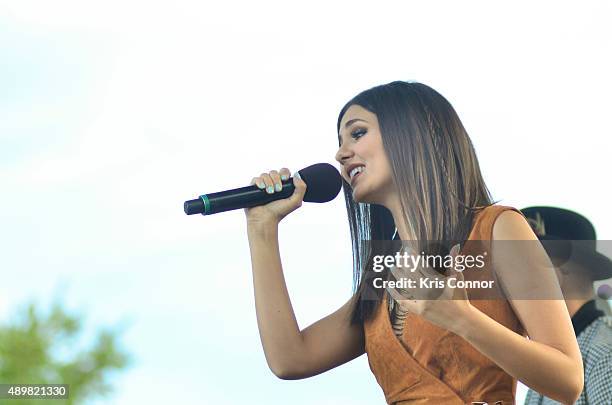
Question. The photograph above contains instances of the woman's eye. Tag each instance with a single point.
(358, 133)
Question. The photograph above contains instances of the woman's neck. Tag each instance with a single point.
(395, 207)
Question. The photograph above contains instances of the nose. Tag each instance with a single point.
(344, 153)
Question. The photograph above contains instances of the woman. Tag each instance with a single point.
(407, 162)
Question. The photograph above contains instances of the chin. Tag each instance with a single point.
(370, 194)
(363, 197)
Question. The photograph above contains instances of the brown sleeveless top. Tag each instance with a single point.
(430, 365)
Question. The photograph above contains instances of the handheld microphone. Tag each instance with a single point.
(322, 180)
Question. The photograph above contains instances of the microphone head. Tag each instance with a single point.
(323, 181)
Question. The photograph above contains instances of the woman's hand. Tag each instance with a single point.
(445, 307)
(273, 212)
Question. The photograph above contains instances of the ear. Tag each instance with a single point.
(562, 275)
(562, 270)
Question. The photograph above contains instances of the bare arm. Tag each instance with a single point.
(550, 362)
(291, 353)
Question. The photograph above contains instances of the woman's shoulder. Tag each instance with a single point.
(497, 221)
(496, 209)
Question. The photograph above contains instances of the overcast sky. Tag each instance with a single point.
(114, 113)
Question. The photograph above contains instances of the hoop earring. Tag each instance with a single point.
(394, 234)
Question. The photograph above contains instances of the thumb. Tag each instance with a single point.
(454, 252)
(456, 274)
(297, 197)
(300, 187)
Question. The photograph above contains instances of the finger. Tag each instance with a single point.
(397, 273)
(258, 182)
(268, 182)
(407, 304)
(404, 274)
(448, 292)
(401, 293)
(429, 272)
(300, 185)
(396, 295)
(455, 250)
(284, 173)
(456, 291)
(453, 253)
(278, 185)
(458, 274)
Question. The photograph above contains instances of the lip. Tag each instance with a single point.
(351, 167)
(354, 179)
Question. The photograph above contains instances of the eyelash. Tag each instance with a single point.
(358, 133)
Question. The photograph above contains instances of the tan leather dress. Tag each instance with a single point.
(430, 365)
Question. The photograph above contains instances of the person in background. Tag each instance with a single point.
(576, 272)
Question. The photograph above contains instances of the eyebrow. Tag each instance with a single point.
(348, 124)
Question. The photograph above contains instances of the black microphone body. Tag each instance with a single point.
(323, 184)
(243, 197)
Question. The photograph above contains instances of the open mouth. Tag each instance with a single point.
(355, 172)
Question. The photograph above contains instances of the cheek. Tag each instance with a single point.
(383, 165)
(374, 152)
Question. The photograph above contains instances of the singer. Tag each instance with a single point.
(408, 164)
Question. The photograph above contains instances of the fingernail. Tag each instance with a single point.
(297, 174)
(270, 189)
(261, 185)
(284, 177)
(278, 187)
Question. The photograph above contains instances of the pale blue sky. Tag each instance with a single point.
(112, 114)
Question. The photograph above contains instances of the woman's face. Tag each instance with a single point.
(363, 161)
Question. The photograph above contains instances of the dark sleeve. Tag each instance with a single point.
(598, 383)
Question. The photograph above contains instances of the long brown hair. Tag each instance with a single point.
(434, 166)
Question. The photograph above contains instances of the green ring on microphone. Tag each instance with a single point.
(206, 202)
